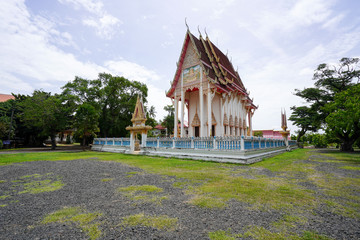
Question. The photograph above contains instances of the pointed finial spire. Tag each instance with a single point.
(199, 31)
(187, 26)
(206, 33)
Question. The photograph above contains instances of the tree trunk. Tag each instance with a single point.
(347, 146)
(83, 142)
(301, 133)
(53, 142)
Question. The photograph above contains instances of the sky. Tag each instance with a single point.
(275, 45)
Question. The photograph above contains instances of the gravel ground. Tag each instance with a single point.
(21, 217)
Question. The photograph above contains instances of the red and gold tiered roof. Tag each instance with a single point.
(216, 65)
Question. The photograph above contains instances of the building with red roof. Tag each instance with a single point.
(5, 97)
(211, 90)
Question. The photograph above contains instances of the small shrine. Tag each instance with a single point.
(138, 119)
(285, 133)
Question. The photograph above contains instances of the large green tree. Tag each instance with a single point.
(86, 122)
(45, 112)
(7, 125)
(306, 119)
(168, 121)
(329, 80)
(343, 120)
(113, 97)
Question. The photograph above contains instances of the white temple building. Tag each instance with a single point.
(207, 86)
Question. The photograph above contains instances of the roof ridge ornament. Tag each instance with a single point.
(187, 26)
(199, 31)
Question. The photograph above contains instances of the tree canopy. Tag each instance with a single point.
(101, 106)
(45, 112)
(113, 97)
(343, 121)
(330, 80)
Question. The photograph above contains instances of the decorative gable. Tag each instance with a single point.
(196, 121)
(139, 116)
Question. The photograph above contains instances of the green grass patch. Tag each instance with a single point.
(140, 188)
(143, 193)
(3, 205)
(2, 181)
(162, 222)
(351, 168)
(208, 202)
(36, 183)
(86, 221)
(287, 161)
(107, 179)
(342, 193)
(264, 193)
(36, 187)
(132, 174)
(260, 233)
(223, 235)
(288, 222)
(180, 185)
(353, 157)
(3, 197)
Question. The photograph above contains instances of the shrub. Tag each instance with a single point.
(319, 141)
(1, 144)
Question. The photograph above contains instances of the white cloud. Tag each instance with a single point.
(105, 24)
(89, 5)
(310, 11)
(132, 71)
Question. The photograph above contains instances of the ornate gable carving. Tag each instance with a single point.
(236, 122)
(139, 116)
(213, 119)
(196, 121)
(191, 58)
(231, 121)
(226, 121)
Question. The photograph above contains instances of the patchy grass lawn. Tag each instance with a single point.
(278, 183)
(86, 221)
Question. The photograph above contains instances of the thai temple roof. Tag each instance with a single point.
(217, 67)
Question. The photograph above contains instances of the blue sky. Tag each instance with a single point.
(276, 45)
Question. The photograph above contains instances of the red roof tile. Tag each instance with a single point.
(5, 97)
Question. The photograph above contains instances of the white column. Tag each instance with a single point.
(221, 117)
(182, 112)
(182, 105)
(251, 128)
(176, 117)
(209, 111)
(143, 139)
(249, 119)
(132, 143)
(201, 104)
